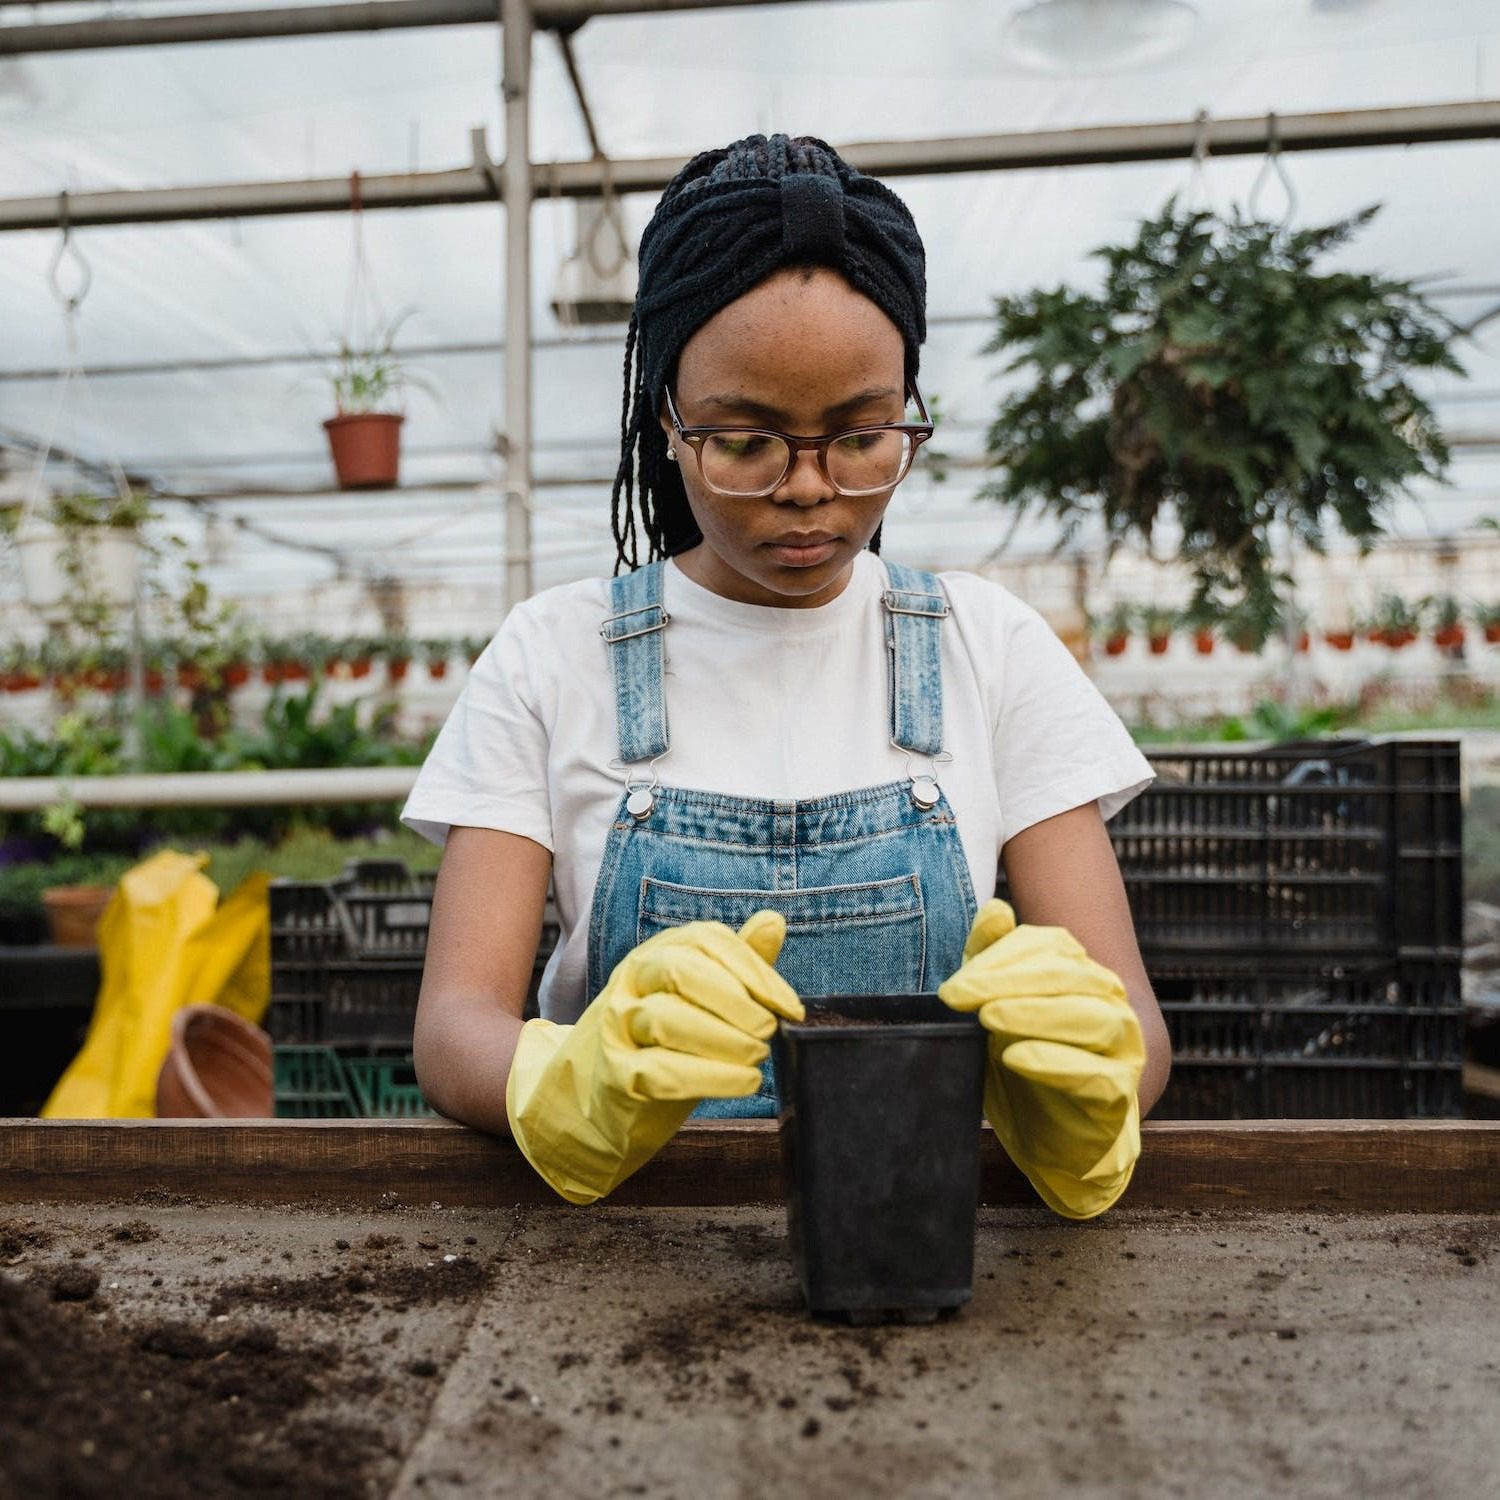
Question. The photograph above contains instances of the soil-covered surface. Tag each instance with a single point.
(166, 1349)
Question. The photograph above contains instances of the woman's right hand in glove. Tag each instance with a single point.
(685, 1016)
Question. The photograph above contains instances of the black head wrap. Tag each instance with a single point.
(729, 219)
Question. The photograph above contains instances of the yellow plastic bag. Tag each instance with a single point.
(164, 942)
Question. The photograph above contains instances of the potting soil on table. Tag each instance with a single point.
(162, 1348)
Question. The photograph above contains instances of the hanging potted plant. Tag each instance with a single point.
(437, 654)
(1184, 389)
(1395, 623)
(1115, 628)
(364, 434)
(1488, 618)
(1447, 621)
(80, 554)
(1341, 639)
(1157, 621)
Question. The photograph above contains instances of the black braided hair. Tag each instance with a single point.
(730, 218)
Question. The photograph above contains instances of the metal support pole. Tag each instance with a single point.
(515, 89)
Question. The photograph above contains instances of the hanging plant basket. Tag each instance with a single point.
(1182, 388)
(1114, 645)
(1340, 640)
(1203, 642)
(1492, 632)
(1157, 644)
(1448, 636)
(108, 557)
(366, 448)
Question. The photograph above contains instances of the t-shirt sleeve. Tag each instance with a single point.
(488, 766)
(1059, 744)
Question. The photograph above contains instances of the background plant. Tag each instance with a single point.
(1220, 377)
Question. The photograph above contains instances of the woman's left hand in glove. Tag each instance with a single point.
(1065, 1058)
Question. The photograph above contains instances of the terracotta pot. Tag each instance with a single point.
(366, 449)
(1448, 635)
(1113, 646)
(271, 672)
(1492, 632)
(295, 671)
(1340, 640)
(396, 669)
(360, 667)
(155, 680)
(236, 674)
(1396, 639)
(1157, 644)
(73, 913)
(22, 682)
(218, 1066)
(437, 669)
(1203, 642)
(190, 677)
(1304, 641)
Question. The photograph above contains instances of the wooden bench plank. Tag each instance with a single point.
(1350, 1165)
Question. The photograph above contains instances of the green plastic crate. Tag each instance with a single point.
(386, 1088)
(311, 1084)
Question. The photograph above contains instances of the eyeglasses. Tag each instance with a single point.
(749, 461)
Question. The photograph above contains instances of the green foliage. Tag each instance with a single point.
(21, 885)
(373, 378)
(308, 853)
(1219, 374)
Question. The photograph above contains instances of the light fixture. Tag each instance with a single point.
(1096, 36)
(597, 283)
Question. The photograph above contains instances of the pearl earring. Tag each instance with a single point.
(672, 453)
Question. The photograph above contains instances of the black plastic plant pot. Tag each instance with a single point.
(881, 1101)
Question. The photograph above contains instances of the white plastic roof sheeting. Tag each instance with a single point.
(848, 71)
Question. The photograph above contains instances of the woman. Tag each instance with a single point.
(767, 763)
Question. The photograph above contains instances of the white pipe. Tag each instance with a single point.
(210, 788)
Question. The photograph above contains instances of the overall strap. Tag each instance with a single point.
(915, 607)
(634, 634)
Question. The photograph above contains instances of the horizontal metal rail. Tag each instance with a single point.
(210, 789)
(1094, 145)
(319, 20)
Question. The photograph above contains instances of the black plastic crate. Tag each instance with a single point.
(1315, 847)
(347, 955)
(1336, 847)
(1336, 1040)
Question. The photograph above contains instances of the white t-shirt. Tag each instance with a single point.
(763, 702)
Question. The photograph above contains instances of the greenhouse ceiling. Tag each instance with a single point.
(201, 337)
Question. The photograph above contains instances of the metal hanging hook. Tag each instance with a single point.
(1198, 194)
(1274, 162)
(67, 246)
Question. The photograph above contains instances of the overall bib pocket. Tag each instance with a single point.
(865, 939)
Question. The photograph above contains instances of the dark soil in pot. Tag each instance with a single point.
(881, 1099)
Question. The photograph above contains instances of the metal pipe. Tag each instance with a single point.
(515, 88)
(316, 20)
(1023, 151)
(210, 788)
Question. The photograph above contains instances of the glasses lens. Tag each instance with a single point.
(744, 463)
(863, 462)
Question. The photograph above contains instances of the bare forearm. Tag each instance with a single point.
(462, 1052)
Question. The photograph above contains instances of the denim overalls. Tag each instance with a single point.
(873, 883)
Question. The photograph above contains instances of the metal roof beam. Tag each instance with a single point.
(318, 20)
(1095, 145)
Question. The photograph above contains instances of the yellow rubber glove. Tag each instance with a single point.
(1066, 1057)
(685, 1016)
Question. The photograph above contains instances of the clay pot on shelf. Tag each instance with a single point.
(366, 449)
(73, 913)
(218, 1066)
